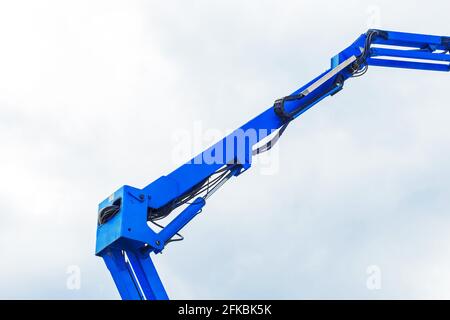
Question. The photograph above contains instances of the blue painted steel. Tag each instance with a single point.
(181, 220)
(122, 274)
(125, 239)
(412, 40)
(135, 275)
(411, 54)
(146, 275)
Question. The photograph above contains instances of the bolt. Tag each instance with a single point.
(157, 242)
(141, 197)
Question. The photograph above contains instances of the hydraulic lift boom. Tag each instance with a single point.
(124, 238)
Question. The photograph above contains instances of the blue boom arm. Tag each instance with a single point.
(124, 237)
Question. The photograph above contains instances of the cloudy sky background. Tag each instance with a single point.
(93, 92)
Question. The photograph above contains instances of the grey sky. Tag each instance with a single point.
(92, 92)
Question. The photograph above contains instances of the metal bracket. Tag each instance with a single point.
(279, 105)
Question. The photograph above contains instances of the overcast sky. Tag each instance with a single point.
(93, 95)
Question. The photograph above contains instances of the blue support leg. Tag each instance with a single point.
(147, 276)
(122, 274)
(134, 275)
